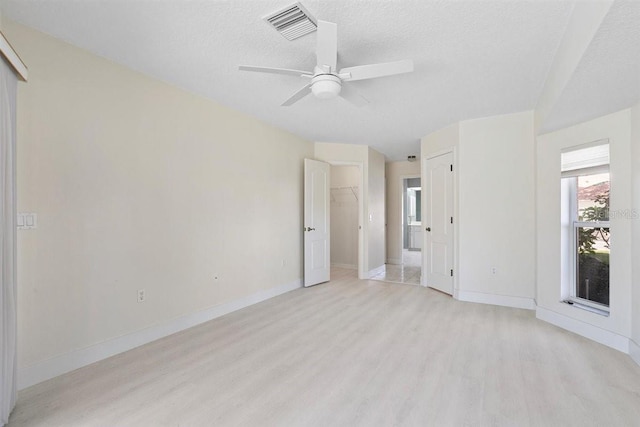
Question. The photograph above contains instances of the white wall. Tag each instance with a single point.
(508, 197)
(376, 211)
(137, 185)
(444, 139)
(345, 183)
(395, 171)
(635, 228)
(616, 128)
(496, 205)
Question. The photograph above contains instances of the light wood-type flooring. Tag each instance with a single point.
(351, 353)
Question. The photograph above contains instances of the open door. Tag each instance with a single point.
(438, 223)
(317, 259)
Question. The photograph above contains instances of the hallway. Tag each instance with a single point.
(408, 273)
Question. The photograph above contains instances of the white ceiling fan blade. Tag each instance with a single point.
(270, 70)
(353, 96)
(327, 52)
(363, 72)
(297, 96)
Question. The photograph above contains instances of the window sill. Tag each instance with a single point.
(585, 307)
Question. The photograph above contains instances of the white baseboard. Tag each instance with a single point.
(58, 365)
(377, 270)
(634, 351)
(394, 261)
(594, 333)
(502, 300)
(347, 266)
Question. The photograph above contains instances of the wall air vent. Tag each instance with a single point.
(292, 22)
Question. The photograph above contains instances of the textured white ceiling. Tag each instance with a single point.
(473, 58)
(607, 78)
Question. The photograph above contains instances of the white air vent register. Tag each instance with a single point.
(292, 22)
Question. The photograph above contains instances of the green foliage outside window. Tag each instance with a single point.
(587, 237)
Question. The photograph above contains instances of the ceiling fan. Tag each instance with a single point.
(325, 80)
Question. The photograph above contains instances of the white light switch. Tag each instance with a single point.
(27, 220)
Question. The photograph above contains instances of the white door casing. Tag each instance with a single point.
(317, 259)
(438, 223)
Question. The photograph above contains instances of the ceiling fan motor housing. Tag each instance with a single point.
(326, 86)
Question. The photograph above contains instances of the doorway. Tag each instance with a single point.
(345, 204)
(410, 270)
(412, 226)
(407, 267)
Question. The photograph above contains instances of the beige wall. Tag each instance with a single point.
(137, 185)
(635, 223)
(345, 176)
(616, 128)
(395, 172)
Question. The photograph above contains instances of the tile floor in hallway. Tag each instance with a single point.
(409, 272)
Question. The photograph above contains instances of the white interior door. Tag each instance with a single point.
(317, 259)
(438, 223)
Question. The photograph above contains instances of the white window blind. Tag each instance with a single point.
(587, 160)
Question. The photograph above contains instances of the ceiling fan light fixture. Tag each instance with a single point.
(326, 77)
(326, 86)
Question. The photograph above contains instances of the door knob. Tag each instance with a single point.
(310, 229)
(428, 228)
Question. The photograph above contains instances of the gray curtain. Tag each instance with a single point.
(8, 301)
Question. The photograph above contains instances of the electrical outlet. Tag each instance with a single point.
(141, 295)
(494, 270)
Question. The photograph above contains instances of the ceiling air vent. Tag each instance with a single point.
(292, 22)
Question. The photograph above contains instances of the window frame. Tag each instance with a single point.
(574, 270)
(575, 224)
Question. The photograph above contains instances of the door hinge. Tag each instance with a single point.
(451, 220)
(451, 167)
(452, 272)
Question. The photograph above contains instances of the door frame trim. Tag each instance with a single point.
(363, 273)
(456, 216)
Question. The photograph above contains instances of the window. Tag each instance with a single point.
(586, 232)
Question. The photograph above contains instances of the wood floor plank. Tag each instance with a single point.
(350, 353)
